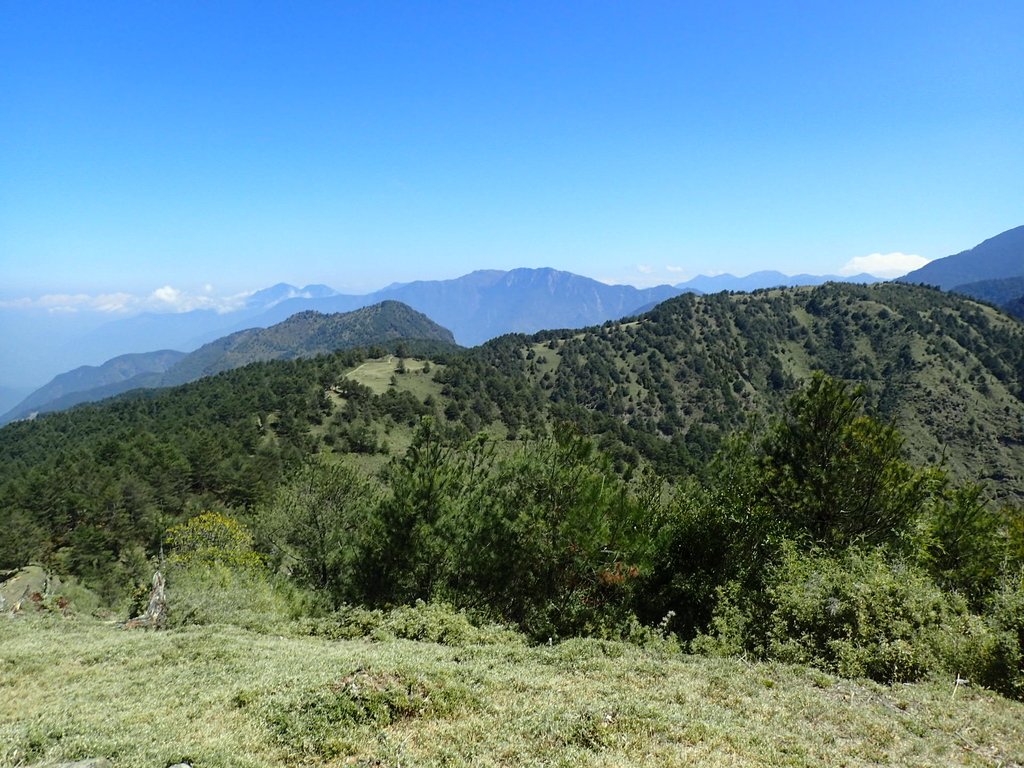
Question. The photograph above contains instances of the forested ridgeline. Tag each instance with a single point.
(668, 386)
(607, 482)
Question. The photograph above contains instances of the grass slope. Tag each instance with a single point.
(221, 696)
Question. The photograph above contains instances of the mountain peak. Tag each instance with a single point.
(275, 294)
(998, 257)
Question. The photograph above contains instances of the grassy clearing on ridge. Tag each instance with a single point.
(220, 696)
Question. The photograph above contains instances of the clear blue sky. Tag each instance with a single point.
(354, 144)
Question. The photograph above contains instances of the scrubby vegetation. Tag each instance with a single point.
(319, 498)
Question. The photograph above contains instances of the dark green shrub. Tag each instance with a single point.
(858, 615)
(412, 541)
(966, 542)
(313, 528)
(428, 622)
(695, 551)
(556, 543)
(1005, 671)
(834, 476)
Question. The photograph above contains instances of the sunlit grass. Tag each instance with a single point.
(220, 696)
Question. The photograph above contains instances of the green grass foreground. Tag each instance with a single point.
(221, 696)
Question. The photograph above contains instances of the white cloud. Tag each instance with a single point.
(22, 303)
(63, 302)
(113, 302)
(644, 269)
(672, 268)
(167, 294)
(884, 264)
(164, 299)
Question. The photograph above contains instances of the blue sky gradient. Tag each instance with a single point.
(356, 144)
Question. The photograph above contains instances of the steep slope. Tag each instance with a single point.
(948, 371)
(998, 257)
(303, 335)
(489, 303)
(120, 369)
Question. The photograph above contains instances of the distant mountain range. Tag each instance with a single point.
(302, 335)
(185, 330)
(475, 307)
(766, 279)
(488, 303)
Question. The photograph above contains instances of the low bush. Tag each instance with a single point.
(329, 721)
(1005, 670)
(429, 622)
(864, 614)
(858, 614)
(218, 594)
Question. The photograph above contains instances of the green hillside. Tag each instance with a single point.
(823, 476)
(949, 373)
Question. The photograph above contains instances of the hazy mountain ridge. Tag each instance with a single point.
(111, 374)
(275, 294)
(998, 257)
(187, 330)
(488, 303)
(766, 279)
(1007, 293)
(476, 307)
(302, 335)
